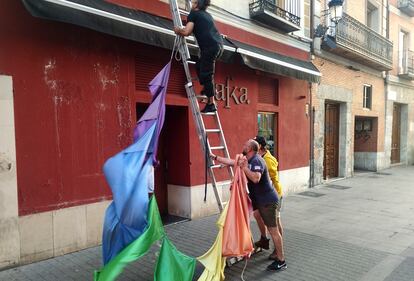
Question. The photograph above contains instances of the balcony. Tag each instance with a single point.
(406, 65)
(353, 40)
(407, 7)
(267, 12)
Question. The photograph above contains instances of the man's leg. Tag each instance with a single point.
(278, 242)
(279, 222)
(273, 255)
(268, 214)
(260, 223)
(263, 242)
(279, 225)
(206, 72)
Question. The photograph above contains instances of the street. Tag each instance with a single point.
(361, 228)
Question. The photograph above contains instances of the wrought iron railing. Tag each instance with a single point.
(405, 3)
(406, 62)
(406, 6)
(291, 15)
(360, 38)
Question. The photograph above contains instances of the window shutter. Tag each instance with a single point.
(268, 91)
(146, 67)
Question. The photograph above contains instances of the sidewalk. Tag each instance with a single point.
(355, 229)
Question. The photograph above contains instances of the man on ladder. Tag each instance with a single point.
(210, 42)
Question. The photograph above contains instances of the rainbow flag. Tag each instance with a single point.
(132, 223)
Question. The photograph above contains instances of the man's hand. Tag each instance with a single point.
(177, 30)
(242, 162)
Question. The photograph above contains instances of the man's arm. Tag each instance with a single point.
(185, 31)
(253, 176)
(225, 161)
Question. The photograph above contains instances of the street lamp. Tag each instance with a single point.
(335, 10)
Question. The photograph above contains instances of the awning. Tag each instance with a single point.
(271, 62)
(156, 31)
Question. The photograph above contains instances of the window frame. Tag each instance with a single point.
(275, 131)
(365, 98)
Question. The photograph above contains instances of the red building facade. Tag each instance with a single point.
(78, 93)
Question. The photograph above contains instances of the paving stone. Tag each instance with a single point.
(404, 272)
(344, 235)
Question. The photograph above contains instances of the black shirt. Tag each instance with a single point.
(204, 29)
(261, 193)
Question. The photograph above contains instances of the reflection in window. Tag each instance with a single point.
(266, 124)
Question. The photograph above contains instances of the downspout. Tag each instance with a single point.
(387, 74)
(311, 110)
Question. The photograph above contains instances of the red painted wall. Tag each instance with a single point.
(240, 121)
(75, 106)
(72, 102)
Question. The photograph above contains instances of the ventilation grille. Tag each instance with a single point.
(146, 67)
(268, 91)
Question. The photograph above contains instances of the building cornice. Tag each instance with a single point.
(352, 65)
(396, 81)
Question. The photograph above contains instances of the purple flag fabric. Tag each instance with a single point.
(128, 172)
(156, 111)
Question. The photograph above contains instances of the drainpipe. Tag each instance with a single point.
(311, 110)
(387, 74)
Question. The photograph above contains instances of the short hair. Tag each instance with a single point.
(254, 145)
(203, 4)
(261, 140)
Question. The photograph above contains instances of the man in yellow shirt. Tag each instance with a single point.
(271, 164)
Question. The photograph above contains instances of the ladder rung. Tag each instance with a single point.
(225, 182)
(201, 97)
(189, 84)
(217, 147)
(209, 113)
(184, 12)
(212, 130)
(216, 166)
(191, 62)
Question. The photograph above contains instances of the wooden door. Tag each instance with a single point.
(331, 154)
(396, 132)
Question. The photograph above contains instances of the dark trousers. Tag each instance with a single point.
(205, 68)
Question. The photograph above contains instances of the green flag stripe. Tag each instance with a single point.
(136, 249)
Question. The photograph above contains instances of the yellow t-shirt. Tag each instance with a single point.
(271, 163)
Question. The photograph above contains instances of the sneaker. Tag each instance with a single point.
(273, 256)
(210, 107)
(262, 243)
(277, 265)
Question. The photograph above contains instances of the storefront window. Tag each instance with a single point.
(266, 124)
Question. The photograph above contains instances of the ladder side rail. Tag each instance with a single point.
(175, 12)
(198, 119)
(224, 143)
(215, 189)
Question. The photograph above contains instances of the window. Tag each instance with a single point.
(267, 127)
(373, 17)
(367, 99)
(402, 50)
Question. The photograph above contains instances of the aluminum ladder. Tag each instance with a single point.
(203, 133)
